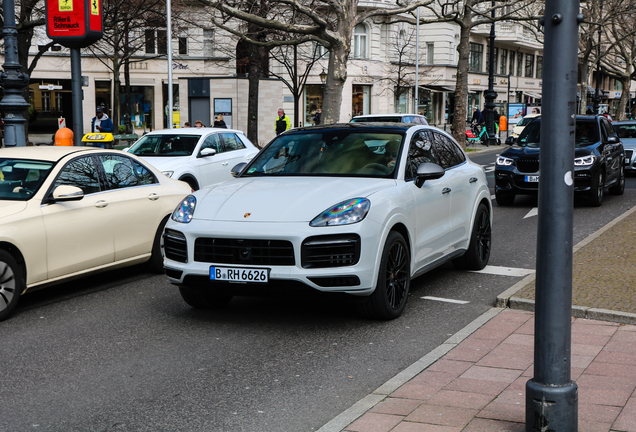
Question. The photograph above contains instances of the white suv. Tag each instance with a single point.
(391, 118)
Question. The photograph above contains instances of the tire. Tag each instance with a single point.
(597, 190)
(504, 198)
(388, 300)
(11, 284)
(202, 299)
(155, 263)
(478, 253)
(619, 187)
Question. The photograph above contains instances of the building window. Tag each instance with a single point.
(430, 53)
(183, 46)
(361, 100)
(59, 106)
(474, 57)
(360, 41)
(46, 101)
(494, 68)
(208, 43)
(618, 86)
(529, 65)
(539, 66)
(504, 61)
(511, 71)
(401, 40)
(520, 64)
(156, 42)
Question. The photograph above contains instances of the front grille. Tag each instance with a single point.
(244, 251)
(175, 246)
(528, 165)
(330, 251)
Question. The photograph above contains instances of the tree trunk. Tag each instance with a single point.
(458, 127)
(585, 70)
(336, 77)
(624, 100)
(255, 54)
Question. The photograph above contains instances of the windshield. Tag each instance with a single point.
(625, 130)
(524, 121)
(20, 179)
(331, 153)
(586, 133)
(391, 119)
(165, 145)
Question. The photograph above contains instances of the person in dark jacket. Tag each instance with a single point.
(101, 122)
(317, 116)
(219, 122)
(478, 117)
(282, 122)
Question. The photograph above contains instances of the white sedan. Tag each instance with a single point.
(198, 156)
(319, 208)
(66, 212)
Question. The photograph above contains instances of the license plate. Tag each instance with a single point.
(532, 179)
(239, 274)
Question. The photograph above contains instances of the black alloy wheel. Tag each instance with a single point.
(478, 253)
(597, 189)
(619, 187)
(11, 284)
(388, 300)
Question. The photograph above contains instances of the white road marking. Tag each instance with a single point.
(533, 212)
(504, 271)
(445, 300)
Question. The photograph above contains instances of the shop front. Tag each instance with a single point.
(313, 98)
(141, 108)
(50, 99)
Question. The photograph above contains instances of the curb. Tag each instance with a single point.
(507, 298)
(347, 417)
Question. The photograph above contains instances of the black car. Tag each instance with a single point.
(598, 164)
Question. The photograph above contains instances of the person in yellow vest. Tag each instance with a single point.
(282, 122)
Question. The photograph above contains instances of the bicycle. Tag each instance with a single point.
(484, 137)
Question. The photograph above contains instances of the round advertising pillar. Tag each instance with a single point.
(64, 137)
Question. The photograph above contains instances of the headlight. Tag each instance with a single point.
(585, 160)
(345, 213)
(167, 173)
(504, 161)
(185, 210)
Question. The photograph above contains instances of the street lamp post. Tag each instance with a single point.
(13, 81)
(323, 80)
(491, 94)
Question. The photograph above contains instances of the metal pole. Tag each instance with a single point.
(551, 395)
(13, 81)
(169, 36)
(417, 62)
(491, 94)
(77, 96)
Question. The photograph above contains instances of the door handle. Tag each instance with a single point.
(224, 163)
(101, 204)
(472, 180)
(446, 190)
(153, 197)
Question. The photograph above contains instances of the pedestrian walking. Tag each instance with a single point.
(282, 122)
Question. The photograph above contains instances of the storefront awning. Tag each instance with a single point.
(532, 95)
(437, 88)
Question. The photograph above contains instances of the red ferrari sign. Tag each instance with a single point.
(74, 23)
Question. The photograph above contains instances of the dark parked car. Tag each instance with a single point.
(626, 131)
(598, 164)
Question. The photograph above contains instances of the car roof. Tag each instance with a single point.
(192, 131)
(396, 127)
(625, 122)
(388, 115)
(48, 153)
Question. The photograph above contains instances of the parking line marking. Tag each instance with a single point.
(504, 271)
(445, 300)
(533, 212)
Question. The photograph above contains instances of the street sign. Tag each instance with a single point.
(74, 23)
(61, 123)
(50, 87)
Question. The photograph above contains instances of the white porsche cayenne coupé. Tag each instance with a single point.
(351, 208)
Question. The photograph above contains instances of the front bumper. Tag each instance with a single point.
(510, 180)
(630, 160)
(352, 278)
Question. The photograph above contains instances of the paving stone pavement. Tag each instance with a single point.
(475, 381)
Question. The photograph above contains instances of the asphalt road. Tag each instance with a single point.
(123, 352)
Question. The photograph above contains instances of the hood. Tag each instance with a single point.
(168, 163)
(9, 208)
(281, 199)
(521, 152)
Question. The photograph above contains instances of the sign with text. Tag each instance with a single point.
(74, 23)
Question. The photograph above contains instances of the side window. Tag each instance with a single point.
(231, 142)
(214, 142)
(122, 172)
(458, 155)
(80, 172)
(604, 133)
(420, 151)
(445, 154)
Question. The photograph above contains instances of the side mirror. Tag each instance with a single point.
(125, 149)
(207, 152)
(511, 140)
(65, 193)
(612, 139)
(237, 169)
(428, 171)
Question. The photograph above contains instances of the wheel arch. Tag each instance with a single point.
(190, 179)
(17, 255)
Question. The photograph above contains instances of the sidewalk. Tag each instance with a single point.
(475, 381)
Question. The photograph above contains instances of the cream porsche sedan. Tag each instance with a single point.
(66, 212)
